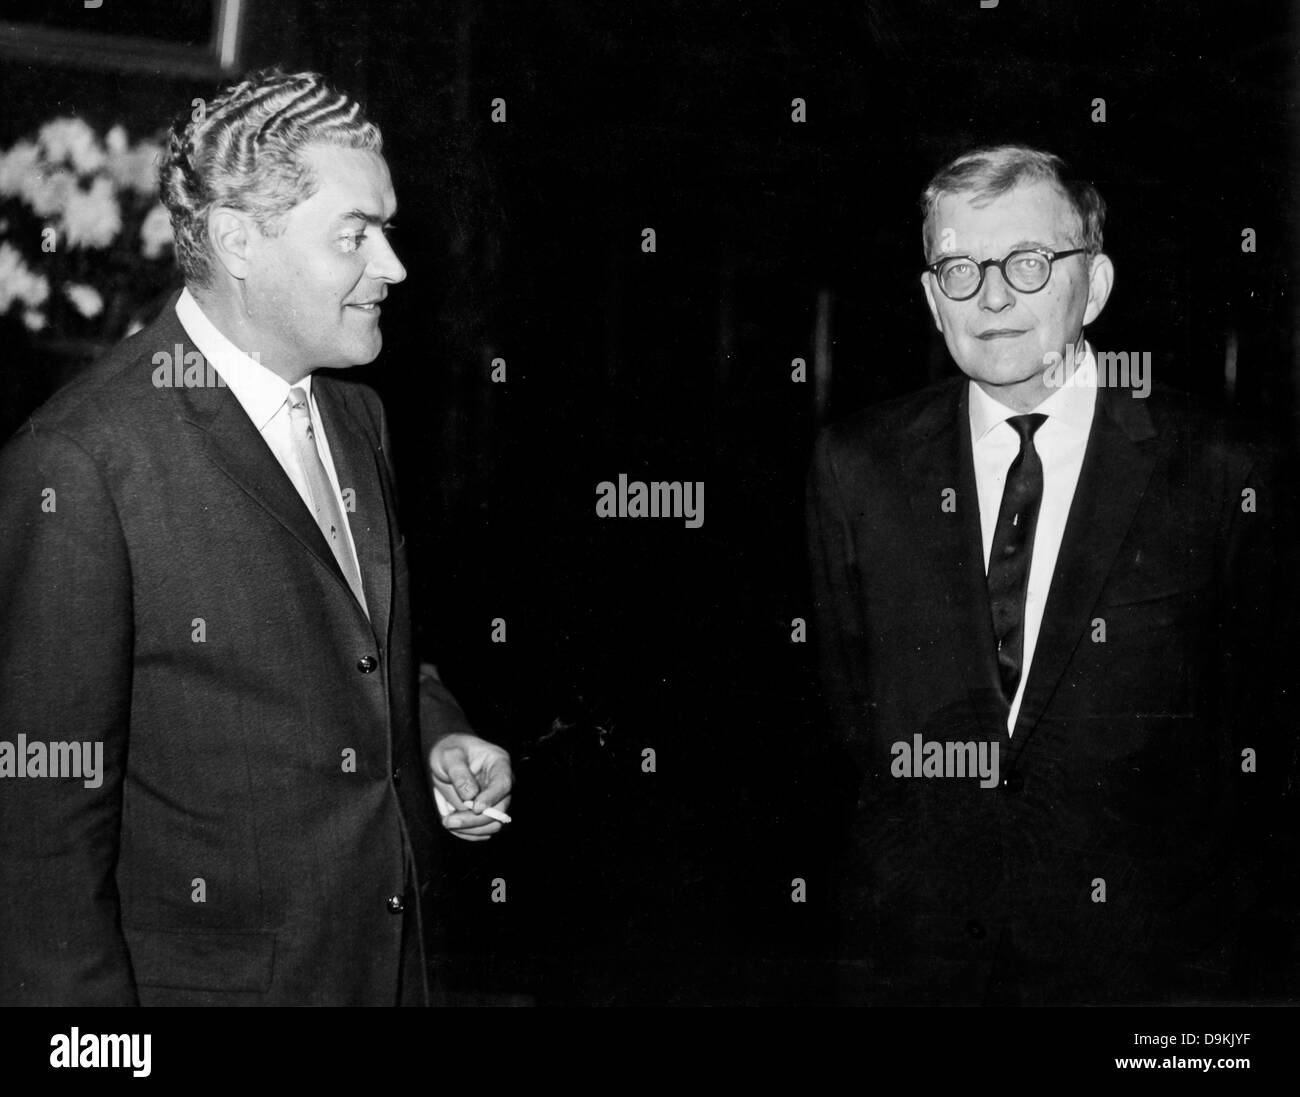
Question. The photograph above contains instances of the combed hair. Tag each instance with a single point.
(991, 172)
(244, 152)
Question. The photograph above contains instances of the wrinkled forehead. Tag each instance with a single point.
(1034, 212)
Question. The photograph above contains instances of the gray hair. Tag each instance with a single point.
(991, 172)
(244, 152)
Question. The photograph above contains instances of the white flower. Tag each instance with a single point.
(92, 218)
(34, 319)
(48, 192)
(18, 167)
(37, 290)
(115, 140)
(85, 299)
(155, 232)
(12, 270)
(136, 168)
(18, 282)
(72, 140)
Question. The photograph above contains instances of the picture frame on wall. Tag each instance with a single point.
(182, 38)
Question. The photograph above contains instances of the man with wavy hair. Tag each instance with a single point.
(205, 599)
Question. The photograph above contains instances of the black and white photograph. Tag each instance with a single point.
(733, 503)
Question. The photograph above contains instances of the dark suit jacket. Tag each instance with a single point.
(233, 853)
(1126, 764)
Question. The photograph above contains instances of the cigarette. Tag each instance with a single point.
(499, 816)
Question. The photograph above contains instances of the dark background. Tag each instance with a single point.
(523, 241)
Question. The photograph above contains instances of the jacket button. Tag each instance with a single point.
(397, 775)
(395, 905)
(975, 929)
(1013, 783)
(367, 663)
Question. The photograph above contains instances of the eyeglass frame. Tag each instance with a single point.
(1047, 253)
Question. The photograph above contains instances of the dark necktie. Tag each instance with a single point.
(1013, 545)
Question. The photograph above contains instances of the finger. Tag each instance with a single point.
(497, 811)
(462, 780)
(471, 823)
(476, 832)
(466, 822)
(471, 837)
(497, 790)
(448, 799)
(501, 805)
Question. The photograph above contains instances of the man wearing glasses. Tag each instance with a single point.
(1044, 610)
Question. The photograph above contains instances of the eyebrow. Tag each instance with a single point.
(364, 217)
(1019, 245)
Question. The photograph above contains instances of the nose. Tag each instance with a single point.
(384, 264)
(995, 295)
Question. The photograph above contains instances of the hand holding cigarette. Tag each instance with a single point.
(471, 783)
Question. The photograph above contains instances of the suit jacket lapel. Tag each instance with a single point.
(356, 462)
(1117, 464)
(235, 447)
(942, 458)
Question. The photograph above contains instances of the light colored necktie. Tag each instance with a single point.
(325, 503)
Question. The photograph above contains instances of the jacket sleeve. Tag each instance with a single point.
(1258, 695)
(440, 713)
(837, 624)
(65, 678)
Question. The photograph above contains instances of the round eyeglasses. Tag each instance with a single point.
(960, 277)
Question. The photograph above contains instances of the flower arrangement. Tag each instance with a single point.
(85, 245)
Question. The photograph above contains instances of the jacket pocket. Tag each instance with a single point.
(202, 959)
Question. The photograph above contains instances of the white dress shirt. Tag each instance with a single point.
(264, 396)
(1060, 443)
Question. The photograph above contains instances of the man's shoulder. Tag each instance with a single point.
(882, 429)
(1192, 423)
(117, 396)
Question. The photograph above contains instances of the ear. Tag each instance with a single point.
(231, 232)
(1100, 278)
(929, 300)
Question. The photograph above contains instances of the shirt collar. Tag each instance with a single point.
(260, 390)
(1070, 404)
